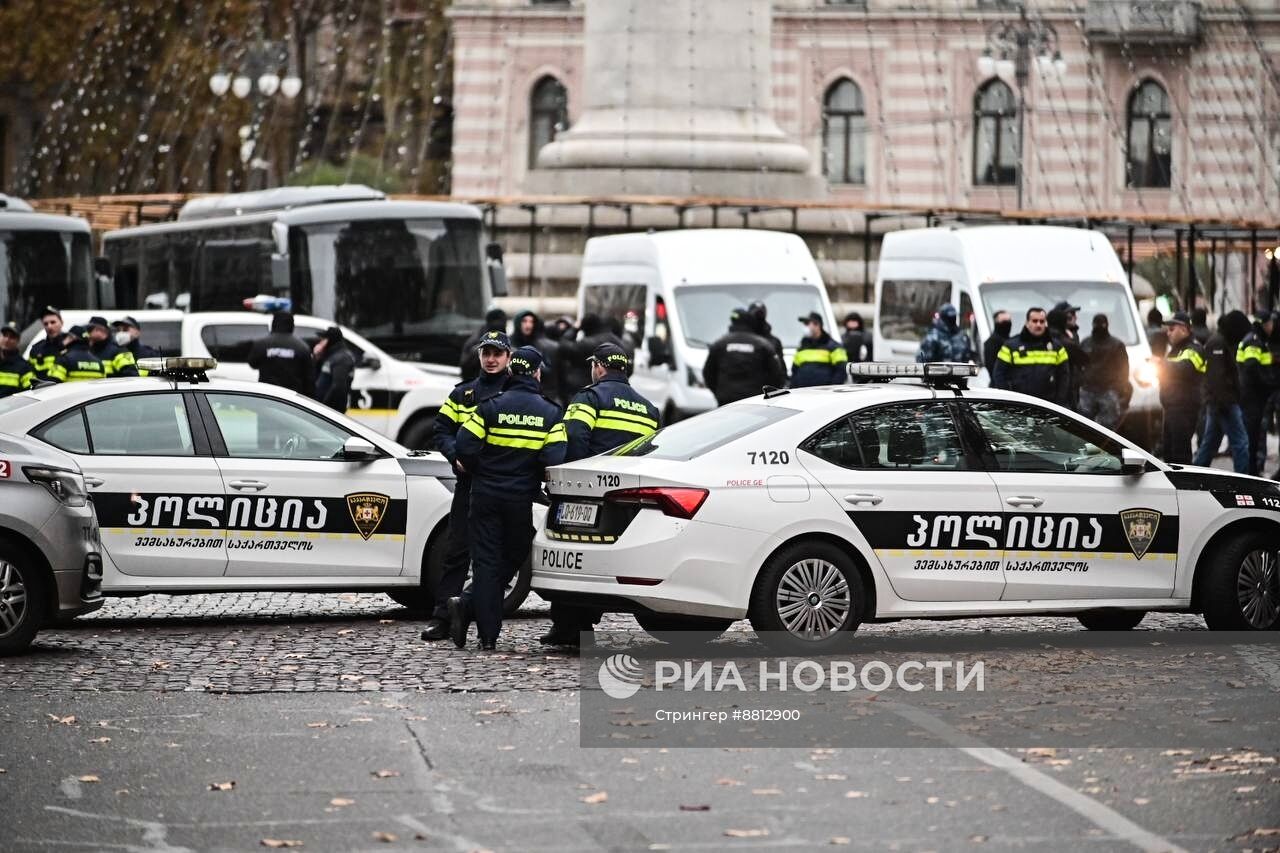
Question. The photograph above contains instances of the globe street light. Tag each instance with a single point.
(259, 70)
(1016, 43)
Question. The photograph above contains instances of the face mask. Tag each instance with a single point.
(1004, 328)
(122, 339)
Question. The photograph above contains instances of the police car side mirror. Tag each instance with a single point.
(1132, 462)
(357, 449)
(372, 362)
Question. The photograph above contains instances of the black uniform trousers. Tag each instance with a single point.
(501, 536)
(1252, 408)
(457, 554)
(574, 617)
(1179, 427)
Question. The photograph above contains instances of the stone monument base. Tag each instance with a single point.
(680, 183)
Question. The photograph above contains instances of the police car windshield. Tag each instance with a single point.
(704, 433)
(704, 309)
(1093, 297)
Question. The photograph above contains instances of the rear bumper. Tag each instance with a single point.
(80, 590)
(73, 548)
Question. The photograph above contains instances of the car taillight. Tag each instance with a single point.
(673, 501)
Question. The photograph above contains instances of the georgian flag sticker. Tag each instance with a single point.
(1140, 527)
(1244, 500)
(367, 510)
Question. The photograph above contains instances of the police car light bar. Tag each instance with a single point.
(177, 364)
(940, 371)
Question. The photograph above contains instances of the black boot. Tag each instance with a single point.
(437, 629)
(459, 621)
(560, 635)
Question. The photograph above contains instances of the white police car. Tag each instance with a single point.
(214, 485)
(810, 511)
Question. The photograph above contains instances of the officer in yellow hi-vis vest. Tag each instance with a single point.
(77, 362)
(1258, 380)
(1032, 363)
(16, 373)
(820, 359)
(118, 361)
(45, 351)
(506, 446)
(1181, 376)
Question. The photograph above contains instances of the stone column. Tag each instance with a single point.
(677, 103)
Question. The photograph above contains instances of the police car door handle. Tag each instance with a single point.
(247, 485)
(862, 498)
(93, 482)
(1024, 500)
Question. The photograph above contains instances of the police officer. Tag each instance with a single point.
(1257, 381)
(1181, 375)
(16, 373)
(281, 358)
(117, 361)
(606, 414)
(741, 361)
(820, 359)
(945, 340)
(506, 444)
(1031, 362)
(46, 351)
(77, 362)
(494, 356)
(127, 334)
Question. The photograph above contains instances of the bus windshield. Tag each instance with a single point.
(414, 287)
(1093, 297)
(43, 267)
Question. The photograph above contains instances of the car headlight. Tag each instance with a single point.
(67, 486)
(1146, 374)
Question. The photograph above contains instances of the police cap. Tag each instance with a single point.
(127, 322)
(1179, 318)
(75, 332)
(1064, 305)
(101, 322)
(813, 317)
(10, 329)
(611, 356)
(495, 339)
(525, 360)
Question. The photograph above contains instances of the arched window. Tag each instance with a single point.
(548, 115)
(995, 135)
(844, 134)
(1149, 158)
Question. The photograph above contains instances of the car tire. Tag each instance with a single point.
(1111, 619)
(24, 599)
(418, 434)
(809, 567)
(678, 629)
(1242, 588)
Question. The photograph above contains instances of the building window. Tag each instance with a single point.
(844, 134)
(548, 115)
(1150, 144)
(995, 135)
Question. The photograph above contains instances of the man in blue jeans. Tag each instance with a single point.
(1222, 394)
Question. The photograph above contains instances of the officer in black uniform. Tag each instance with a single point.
(16, 373)
(77, 363)
(740, 362)
(494, 356)
(128, 336)
(506, 444)
(118, 361)
(1032, 362)
(1257, 380)
(606, 414)
(46, 351)
(1181, 375)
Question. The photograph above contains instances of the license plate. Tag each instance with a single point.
(577, 513)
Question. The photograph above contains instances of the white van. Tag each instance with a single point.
(674, 290)
(984, 269)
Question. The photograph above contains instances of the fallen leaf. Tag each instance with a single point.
(100, 740)
(384, 837)
(88, 779)
(1176, 752)
(746, 833)
(277, 843)
(318, 725)
(66, 721)
(839, 839)
(767, 792)
(1246, 789)
(931, 800)
(341, 801)
(362, 719)
(506, 748)
(346, 631)
(831, 777)
(1140, 801)
(1042, 752)
(221, 786)
(700, 807)
(727, 781)
(385, 774)
(854, 795)
(596, 798)
(1238, 685)
(977, 839)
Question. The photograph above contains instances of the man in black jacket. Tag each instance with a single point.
(281, 359)
(574, 352)
(494, 321)
(1060, 327)
(856, 338)
(1001, 329)
(1105, 389)
(760, 317)
(1257, 380)
(1032, 362)
(529, 331)
(335, 369)
(1222, 394)
(740, 362)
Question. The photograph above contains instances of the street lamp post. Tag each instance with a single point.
(1015, 42)
(260, 66)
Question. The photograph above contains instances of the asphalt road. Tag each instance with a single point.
(341, 731)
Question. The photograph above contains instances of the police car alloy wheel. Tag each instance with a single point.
(808, 598)
(22, 600)
(1242, 589)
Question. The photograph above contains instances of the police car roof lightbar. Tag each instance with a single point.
(179, 367)
(940, 372)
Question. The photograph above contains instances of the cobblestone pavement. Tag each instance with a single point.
(309, 642)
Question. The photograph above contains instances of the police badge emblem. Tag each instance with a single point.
(1140, 527)
(367, 510)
